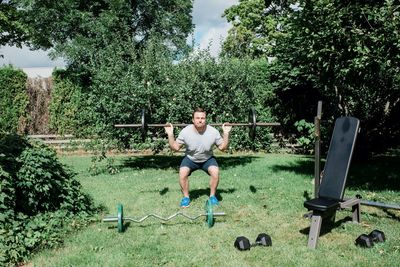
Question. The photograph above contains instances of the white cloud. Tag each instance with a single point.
(210, 27)
(26, 58)
(208, 13)
(213, 39)
(36, 72)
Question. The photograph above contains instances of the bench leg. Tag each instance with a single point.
(356, 210)
(315, 229)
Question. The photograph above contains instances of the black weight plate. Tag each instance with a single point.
(252, 124)
(144, 125)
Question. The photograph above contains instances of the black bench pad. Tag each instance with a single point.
(322, 204)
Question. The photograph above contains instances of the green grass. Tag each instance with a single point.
(259, 193)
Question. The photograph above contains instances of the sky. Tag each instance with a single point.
(210, 30)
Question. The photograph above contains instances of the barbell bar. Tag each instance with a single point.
(252, 124)
(120, 219)
(160, 125)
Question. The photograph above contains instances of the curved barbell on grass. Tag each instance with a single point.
(120, 219)
(252, 124)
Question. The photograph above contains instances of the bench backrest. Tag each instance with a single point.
(339, 157)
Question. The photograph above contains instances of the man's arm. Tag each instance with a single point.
(175, 146)
(225, 137)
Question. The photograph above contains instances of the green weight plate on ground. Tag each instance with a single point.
(120, 218)
(209, 212)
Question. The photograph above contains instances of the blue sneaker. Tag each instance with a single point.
(214, 201)
(185, 202)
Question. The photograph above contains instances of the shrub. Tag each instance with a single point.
(13, 98)
(226, 89)
(40, 200)
(66, 104)
(117, 84)
(305, 136)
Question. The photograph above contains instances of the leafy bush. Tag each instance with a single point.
(39, 199)
(226, 89)
(66, 104)
(13, 98)
(305, 136)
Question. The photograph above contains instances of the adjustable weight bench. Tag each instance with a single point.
(331, 190)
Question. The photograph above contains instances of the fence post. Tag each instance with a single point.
(317, 149)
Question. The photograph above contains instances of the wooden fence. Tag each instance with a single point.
(58, 140)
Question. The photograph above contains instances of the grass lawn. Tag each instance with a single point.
(259, 193)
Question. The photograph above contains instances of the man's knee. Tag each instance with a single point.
(213, 171)
(184, 172)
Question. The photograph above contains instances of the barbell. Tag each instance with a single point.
(120, 219)
(252, 124)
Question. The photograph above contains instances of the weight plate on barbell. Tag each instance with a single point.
(210, 214)
(120, 218)
(144, 124)
(252, 124)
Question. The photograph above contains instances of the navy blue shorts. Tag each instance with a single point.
(186, 162)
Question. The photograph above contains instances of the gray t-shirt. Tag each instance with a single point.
(199, 146)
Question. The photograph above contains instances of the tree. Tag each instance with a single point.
(103, 43)
(348, 54)
(345, 53)
(256, 25)
(12, 30)
(72, 26)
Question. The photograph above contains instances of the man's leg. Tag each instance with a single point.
(184, 180)
(214, 179)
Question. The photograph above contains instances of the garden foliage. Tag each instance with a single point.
(13, 98)
(348, 55)
(225, 88)
(40, 200)
(66, 105)
(344, 53)
(120, 61)
(13, 31)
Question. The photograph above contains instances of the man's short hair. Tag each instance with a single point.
(198, 110)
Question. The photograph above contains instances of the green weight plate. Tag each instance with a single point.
(210, 215)
(120, 218)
